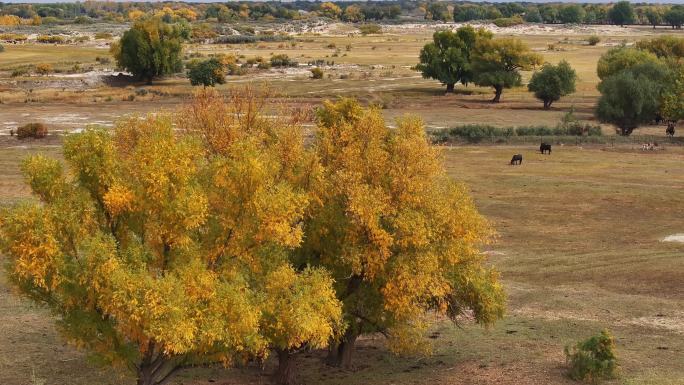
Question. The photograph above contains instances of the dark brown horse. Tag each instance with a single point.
(517, 159)
(544, 148)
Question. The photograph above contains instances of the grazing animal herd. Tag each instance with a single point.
(544, 148)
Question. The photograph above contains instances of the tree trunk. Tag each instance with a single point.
(286, 368)
(497, 93)
(547, 104)
(450, 88)
(345, 351)
(333, 349)
(155, 368)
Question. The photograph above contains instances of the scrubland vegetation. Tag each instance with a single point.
(305, 192)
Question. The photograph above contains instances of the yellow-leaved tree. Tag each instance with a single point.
(398, 235)
(159, 248)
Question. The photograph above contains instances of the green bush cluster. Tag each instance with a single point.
(370, 29)
(246, 39)
(592, 360)
(477, 132)
(282, 60)
(503, 22)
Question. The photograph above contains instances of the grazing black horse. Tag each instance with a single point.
(517, 159)
(545, 147)
(670, 131)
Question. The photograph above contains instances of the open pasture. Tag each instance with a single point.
(579, 247)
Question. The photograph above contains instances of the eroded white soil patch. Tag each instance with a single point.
(674, 238)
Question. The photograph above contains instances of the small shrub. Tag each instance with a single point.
(32, 130)
(103, 36)
(317, 73)
(504, 22)
(282, 60)
(50, 39)
(103, 60)
(13, 37)
(18, 72)
(264, 65)
(44, 68)
(2, 48)
(593, 40)
(370, 29)
(592, 360)
(331, 46)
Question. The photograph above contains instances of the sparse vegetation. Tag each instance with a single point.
(594, 359)
(32, 130)
(316, 73)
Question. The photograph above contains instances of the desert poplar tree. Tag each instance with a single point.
(157, 249)
(399, 236)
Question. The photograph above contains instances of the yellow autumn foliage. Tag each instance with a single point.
(160, 247)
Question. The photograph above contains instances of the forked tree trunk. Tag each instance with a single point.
(286, 368)
(497, 93)
(155, 368)
(450, 88)
(345, 351)
(547, 104)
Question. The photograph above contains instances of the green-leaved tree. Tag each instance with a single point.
(150, 49)
(497, 63)
(448, 57)
(207, 73)
(552, 82)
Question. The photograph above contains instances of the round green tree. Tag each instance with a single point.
(207, 73)
(448, 57)
(553, 82)
(632, 97)
(622, 13)
(151, 48)
(497, 63)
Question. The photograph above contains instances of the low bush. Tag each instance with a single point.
(504, 22)
(50, 39)
(13, 37)
(32, 130)
(282, 60)
(593, 40)
(19, 72)
(477, 132)
(316, 73)
(2, 48)
(103, 36)
(592, 360)
(44, 68)
(370, 29)
(246, 39)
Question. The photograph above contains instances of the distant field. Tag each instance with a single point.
(375, 69)
(579, 246)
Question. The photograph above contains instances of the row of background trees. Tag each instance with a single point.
(620, 13)
(639, 84)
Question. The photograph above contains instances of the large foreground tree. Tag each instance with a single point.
(399, 236)
(160, 248)
(151, 48)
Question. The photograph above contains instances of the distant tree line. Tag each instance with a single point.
(620, 13)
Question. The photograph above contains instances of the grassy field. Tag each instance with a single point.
(579, 232)
(579, 247)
